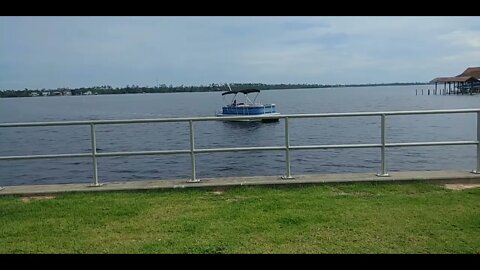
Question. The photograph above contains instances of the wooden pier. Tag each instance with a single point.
(466, 83)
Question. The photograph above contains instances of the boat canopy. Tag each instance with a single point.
(246, 91)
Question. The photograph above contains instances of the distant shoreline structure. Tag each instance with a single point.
(135, 89)
(466, 83)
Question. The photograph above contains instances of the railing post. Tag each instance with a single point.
(192, 155)
(94, 157)
(477, 171)
(384, 168)
(287, 152)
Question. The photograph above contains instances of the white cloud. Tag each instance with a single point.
(463, 39)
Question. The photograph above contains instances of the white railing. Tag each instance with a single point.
(287, 147)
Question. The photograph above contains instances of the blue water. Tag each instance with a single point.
(170, 136)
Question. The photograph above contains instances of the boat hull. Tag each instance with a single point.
(268, 110)
(249, 110)
(269, 117)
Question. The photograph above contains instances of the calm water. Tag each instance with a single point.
(169, 136)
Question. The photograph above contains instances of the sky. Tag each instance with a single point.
(57, 52)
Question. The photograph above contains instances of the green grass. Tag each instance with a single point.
(342, 218)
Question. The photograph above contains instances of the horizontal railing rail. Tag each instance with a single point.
(287, 147)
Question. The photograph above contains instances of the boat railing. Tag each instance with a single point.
(287, 147)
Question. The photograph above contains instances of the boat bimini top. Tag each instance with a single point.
(245, 92)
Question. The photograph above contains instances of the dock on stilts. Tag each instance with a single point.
(466, 83)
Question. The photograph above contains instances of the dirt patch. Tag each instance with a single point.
(461, 186)
(218, 190)
(356, 194)
(28, 199)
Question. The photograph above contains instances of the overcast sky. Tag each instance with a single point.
(52, 52)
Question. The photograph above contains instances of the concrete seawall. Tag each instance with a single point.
(440, 177)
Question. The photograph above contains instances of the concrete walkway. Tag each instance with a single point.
(441, 177)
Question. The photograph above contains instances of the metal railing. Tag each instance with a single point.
(287, 147)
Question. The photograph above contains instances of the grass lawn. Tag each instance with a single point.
(334, 218)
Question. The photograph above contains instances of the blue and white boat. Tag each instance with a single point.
(246, 107)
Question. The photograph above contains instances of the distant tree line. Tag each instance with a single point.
(162, 88)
